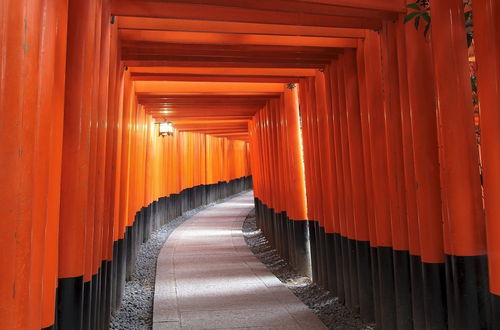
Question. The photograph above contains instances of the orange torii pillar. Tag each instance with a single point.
(365, 132)
(112, 135)
(31, 116)
(347, 222)
(427, 259)
(395, 162)
(359, 192)
(297, 212)
(410, 188)
(383, 265)
(330, 205)
(338, 192)
(486, 38)
(76, 221)
(332, 231)
(464, 226)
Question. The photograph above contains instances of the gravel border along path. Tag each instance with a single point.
(136, 311)
(327, 307)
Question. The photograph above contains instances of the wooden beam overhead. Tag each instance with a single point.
(234, 39)
(233, 64)
(396, 6)
(157, 9)
(182, 25)
(286, 6)
(209, 65)
(214, 78)
(236, 71)
(200, 87)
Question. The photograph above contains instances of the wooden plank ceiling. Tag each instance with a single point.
(209, 65)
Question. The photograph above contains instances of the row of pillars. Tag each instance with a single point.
(402, 220)
(81, 161)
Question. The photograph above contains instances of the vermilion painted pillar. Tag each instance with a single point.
(117, 170)
(357, 161)
(347, 223)
(325, 128)
(100, 225)
(381, 202)
(365, 132)
(396, 188)
(418, 318)
(333, 254)
(31, 99)
(464, 226)
(76, 164)
(90, 242)
(430, 266)
(287, 241)
(339, 218)
(297, 179)
(486, 38)
(59, 13)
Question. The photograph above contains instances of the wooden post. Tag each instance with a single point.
(464, 226)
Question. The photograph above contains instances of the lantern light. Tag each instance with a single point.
(166, 128)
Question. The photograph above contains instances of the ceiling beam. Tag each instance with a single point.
(214, 78)
(187, 25)
(157, 9)
(239, 71)
(234, 39)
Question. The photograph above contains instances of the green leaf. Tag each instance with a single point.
(427, 28)
(417, 22)
(426, 17)
(410, 16)
(413, 6)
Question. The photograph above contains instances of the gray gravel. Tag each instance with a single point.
(136, 311)
(326, 306)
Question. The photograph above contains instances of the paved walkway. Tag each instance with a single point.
(207, 278)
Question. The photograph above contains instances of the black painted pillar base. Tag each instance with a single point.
(365, 279)
(467, 292)
(353, 274)
(434, 292)
(495, 311)
(387, 287)
(331, 267)
(402, 280)
(70, 303)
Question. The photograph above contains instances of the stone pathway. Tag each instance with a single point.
(207, 278)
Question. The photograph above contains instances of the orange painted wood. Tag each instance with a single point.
(77, 136)
(395, 160)
(487, 54)
(464, 226)
(377, 133)
(192, 11)
(365, 131)
(420, 77)
(191, 25)
(355, 146)
(407, 142)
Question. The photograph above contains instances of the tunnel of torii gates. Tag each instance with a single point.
(356, 129)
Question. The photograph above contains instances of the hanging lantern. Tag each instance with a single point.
(166, 128)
